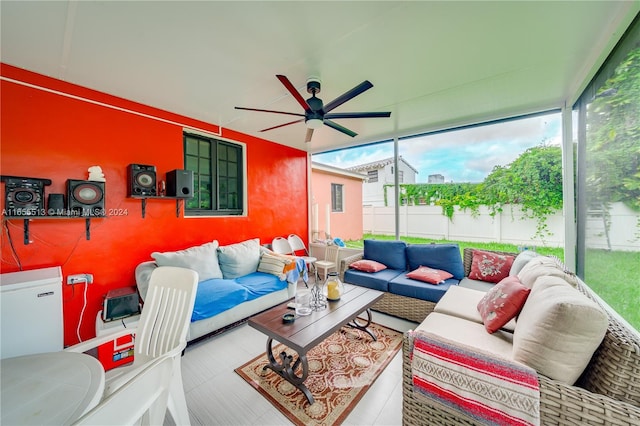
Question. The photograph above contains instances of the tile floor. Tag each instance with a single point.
(216, 395)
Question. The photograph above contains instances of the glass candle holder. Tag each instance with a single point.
(333, 287)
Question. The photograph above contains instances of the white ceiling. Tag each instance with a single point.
(433, 64)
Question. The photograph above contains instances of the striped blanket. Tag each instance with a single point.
(479, 386)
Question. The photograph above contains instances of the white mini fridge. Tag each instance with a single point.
(31, 312)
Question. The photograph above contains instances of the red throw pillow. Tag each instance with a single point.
(502, 303)
(367, 266)
(490, 267)
(429, 275)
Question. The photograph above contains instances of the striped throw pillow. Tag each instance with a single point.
(274, 265)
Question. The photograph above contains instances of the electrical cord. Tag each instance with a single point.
(84, 306)
(14, 253)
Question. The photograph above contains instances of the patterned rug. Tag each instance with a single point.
(341, 370)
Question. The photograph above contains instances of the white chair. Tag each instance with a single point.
(141, 400)
(162, 329)
(330, 261)
(281, 245)
(297, 245)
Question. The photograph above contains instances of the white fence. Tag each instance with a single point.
(510, 226)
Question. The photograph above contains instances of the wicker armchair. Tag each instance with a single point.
(607, 393)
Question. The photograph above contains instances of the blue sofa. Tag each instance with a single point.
(406, 297)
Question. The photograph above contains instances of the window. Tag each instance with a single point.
(400, 176)
(218, 176)
(608, 196)
(336, 197)
(373, 176)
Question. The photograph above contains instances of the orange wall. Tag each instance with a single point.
(48, 135)
(346, 225)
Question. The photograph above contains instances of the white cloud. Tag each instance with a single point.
(465, 155)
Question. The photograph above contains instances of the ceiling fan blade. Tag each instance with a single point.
(285, 81)
(339, 128)
(358, 115)
(309, 135)
(270, 110)
(282, 125)
(365, 85)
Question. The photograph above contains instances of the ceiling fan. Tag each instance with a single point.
(315, 113)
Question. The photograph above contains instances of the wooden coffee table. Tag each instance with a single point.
(306, 332)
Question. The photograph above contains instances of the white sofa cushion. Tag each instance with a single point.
(237, 260)
(558, 330)
(544, 265)
(461, 302)
(468, 333)
(482, 286)
(521, 260)
(203, 259)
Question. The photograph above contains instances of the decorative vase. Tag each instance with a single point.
(333, 287)
(318, 299)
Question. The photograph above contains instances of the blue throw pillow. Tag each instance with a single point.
(437, 256)
(389, 253)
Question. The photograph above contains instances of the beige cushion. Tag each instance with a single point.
(468, 333)
(203, 259)
(541, 266)
(461, 302)
(558, 330)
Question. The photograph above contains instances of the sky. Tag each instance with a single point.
(466, 155)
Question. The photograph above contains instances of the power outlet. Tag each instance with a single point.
(80, 279)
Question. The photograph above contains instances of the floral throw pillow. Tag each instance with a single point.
(429, 275)
(490, 267)
(365, 265)
(502, 303)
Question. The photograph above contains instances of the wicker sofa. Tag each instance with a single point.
(607, 392)
(411, 308)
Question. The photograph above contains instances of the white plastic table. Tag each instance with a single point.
(50, 388)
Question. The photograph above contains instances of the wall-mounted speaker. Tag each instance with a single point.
(141, 180)
(86, 197)
(180, 183)
(24, 196)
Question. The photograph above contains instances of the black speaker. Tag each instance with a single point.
(55, 205)
(24, 196)
(141, 180)
(86, 197)
(180, 183)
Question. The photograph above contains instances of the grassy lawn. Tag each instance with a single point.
(612, 275)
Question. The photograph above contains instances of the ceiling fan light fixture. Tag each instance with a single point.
(314, 123)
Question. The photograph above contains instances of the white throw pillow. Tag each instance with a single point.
(237, 260)
(541, 266)
(202, 259)
(558, 330)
